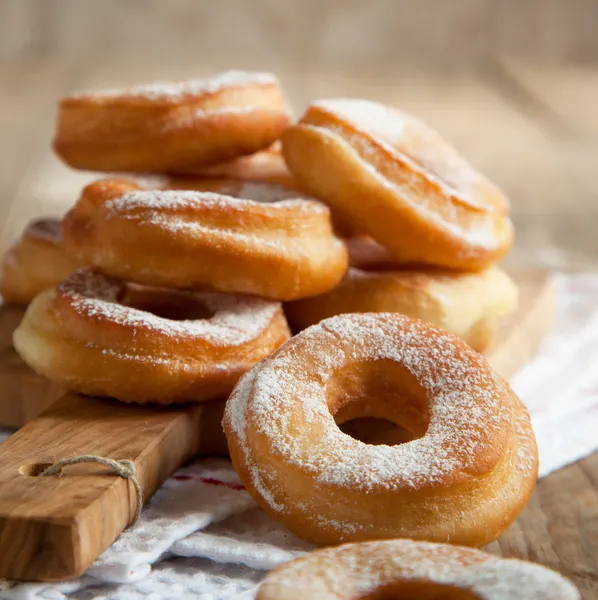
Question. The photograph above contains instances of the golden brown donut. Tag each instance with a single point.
(37, 261)
(468, 304)
(169, 126)
(398, 181)
(394, 569)
(98, 336)
(30, 394)
(257, 239)
(251, 168)
(261, 191)
(267, 165)
(468, 472)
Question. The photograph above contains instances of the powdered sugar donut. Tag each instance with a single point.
(397, 180)
(407, 569)
(98, 336)
(267, 165)
(263, 167)
(37, 261)
(469, 470)
(169, 126)
(468, 304)
(246, 237)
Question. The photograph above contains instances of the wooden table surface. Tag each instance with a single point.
(535, 131)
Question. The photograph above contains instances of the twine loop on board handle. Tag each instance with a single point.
(122, 468)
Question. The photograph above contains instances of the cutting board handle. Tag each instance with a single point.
(53, 527)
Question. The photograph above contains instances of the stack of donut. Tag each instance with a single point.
(426, 226)
(178, 298)
(164, 284)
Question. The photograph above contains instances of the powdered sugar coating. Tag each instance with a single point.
(401, 133)
(468, 415)
(250, 194)
(357, 570)
(47, 230)
(236, 320)
(177, 90)
(198, 114)
(425, 155)
(379, 120)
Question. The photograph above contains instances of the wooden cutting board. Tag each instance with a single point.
(53, 528)
(23, 394)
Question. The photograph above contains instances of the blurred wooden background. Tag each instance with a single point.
(513, 83)
(458, 33)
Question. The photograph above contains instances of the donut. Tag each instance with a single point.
(467, 472)
(37, 261)
(398, 181)
(267, 165)
(468, 304)
(168, 126)
(259, 191)
(99, 336)
(392, 569)
(250, 237)
(252, 168)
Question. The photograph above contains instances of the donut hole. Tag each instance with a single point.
(378, 402)
(167, 304)
(376, 432)
(420, 590)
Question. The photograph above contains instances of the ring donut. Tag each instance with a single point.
(98, 336)
(38, 261)
(398, 181)
(252, 238)
(267, 165)
(468, 304)
(170, 126)
(465, 476)
(393, 569)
